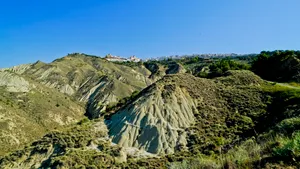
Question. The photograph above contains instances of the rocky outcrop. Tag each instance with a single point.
(13, 83)
(90, 80)
(155, 122)
(18, 69)
(174, 68)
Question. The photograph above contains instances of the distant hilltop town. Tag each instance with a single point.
(133, 58)
(112, 58)
(204, 56)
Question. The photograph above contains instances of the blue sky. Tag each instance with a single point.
(45, 30)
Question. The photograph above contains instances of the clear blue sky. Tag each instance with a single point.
(48, 29)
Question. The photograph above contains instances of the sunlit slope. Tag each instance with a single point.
(29, 109)
(177, 110)
(90, 79)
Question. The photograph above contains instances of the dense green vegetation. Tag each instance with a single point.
(218, 68)
(281, 66)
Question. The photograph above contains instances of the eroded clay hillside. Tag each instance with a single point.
(170, 114)
(173, 122)
(36, 98)
(29, 109)
(90, 79)
(233, 119)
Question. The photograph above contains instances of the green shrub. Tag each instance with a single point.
(202, 74)
(278, 65)
(203, 162)
(220, 67)
(289, 125)
(84, 120)
(243, 156)
(288, 148)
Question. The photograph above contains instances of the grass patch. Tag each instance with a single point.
(288, 149)
(295, 84)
